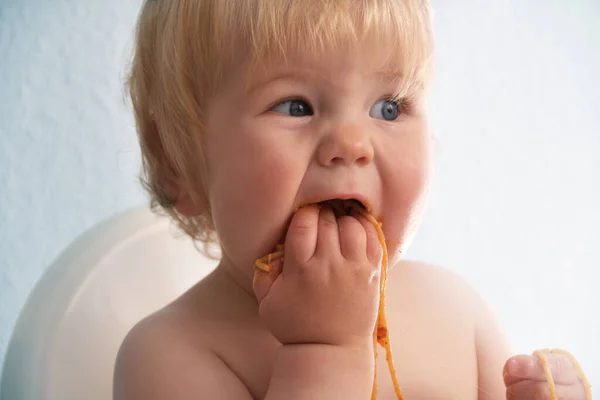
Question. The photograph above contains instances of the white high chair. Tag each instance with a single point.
(67, 336)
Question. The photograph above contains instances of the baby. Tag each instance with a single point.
(257, 120)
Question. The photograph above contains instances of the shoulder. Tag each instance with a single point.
(446, 290)
(160, 358)
(451, 291)
(438, 284)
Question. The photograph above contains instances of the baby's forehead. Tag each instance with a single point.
(395, 34)
(377, 65)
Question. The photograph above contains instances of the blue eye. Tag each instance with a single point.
(385, 109)
(295, 108)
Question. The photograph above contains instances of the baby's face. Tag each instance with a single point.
(313, 130)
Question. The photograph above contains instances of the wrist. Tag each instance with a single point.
(356, 352)
(316, 371)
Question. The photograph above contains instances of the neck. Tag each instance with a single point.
(238, 280)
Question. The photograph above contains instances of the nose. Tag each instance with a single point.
(345, 144)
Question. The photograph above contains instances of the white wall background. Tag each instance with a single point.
(68, 152)
(516, 203)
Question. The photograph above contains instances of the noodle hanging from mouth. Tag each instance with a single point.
(381, 334)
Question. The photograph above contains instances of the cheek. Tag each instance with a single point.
(251, 189)
(408, 187)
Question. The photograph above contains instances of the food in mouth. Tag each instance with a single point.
(381, 334)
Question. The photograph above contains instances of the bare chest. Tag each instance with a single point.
(431, 332)
(433, 352)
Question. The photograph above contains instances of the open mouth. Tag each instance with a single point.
(343, 207)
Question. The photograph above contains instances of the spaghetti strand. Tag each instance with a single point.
(543, 359)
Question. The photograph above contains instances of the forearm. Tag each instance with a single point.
(316, 371)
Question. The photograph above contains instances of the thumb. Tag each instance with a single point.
(263, 281)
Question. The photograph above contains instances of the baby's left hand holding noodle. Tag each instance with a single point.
(322, 306)
(545, 375)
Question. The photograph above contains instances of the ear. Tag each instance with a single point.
(185, 205)
(177, 197)
(170, 187)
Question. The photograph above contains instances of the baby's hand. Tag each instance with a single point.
(525, 378)
(328, 289)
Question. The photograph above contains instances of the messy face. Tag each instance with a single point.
(308, 130)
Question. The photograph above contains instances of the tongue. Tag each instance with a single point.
(341, 207)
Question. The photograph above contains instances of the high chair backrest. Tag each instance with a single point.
(67, 336)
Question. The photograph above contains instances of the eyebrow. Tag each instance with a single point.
(253, 85)
(304, 75)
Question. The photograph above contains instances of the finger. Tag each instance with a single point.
(263, 281)
(328, 240)
(301, 238)
(525, 367)
(579, 371)
(536, 390)
(374, 250)
(353, 238)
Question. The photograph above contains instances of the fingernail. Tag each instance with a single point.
(514, 368)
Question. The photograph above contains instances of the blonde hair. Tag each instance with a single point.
(185, 48)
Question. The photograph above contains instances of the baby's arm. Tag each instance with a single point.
(317, 371)
(493, 350)
(158, 362)
(322, 306)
